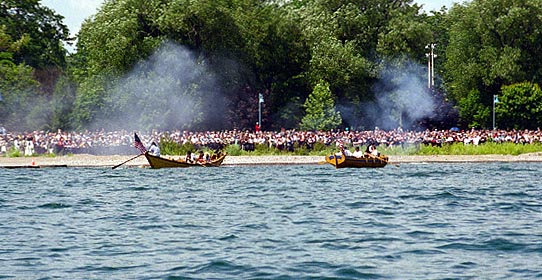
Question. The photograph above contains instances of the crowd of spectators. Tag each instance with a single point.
(121, 142)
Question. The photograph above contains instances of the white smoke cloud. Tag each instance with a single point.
(401, 99)
(167, 91)
(402, 96)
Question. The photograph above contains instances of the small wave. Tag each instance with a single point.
(356, 205)
(153, 227)
(446, 194)
(179, 278)
(527, 273)
(109, 269)
(220, 266)
(518, 205)
(378, 239)
(312, 267)
(424, 252)
(64, 249)
(228, 237)
(54, 205)
(419, 233)
(430, 174)
(353, 273)
(142, 188)
(438, 225)
(465, 265)
(497, 244)
(261, 226)
(516, 194)
(336, 246)
(382, 212)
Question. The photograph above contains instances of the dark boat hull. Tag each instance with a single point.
(157, 162)
(342, 161)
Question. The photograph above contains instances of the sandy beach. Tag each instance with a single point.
(110, 161)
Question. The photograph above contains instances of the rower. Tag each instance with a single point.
(357, 153)
(201, 157)
(154, 149)
(188, 157)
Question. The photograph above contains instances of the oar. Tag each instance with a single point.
(114, 167)
(381, 158)
(388, 162)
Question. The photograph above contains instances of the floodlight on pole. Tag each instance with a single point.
(495, 101)
(431, 65)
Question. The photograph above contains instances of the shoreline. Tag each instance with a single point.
(86, 160)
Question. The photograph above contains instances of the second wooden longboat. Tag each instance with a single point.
(161, 162)
(342, 161)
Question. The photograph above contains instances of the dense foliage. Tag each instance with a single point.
(320, 110)
(201, 65)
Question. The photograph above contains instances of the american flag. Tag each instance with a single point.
(341, 145)
(138, 144)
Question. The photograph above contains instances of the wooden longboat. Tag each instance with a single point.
(161, 162)
(342, 161)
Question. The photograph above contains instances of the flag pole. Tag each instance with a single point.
(138, 145)
(495, 100)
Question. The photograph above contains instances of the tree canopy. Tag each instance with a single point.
(320, 109)
(202, 64)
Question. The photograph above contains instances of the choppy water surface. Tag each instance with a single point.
(416, 221)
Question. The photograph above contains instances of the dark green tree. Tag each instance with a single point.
(472, 109)
(493, 43)
(520, 106)
(246, 46)
(44, 28)
(17, 86)
(45, 35)
(349, 39)
(320, 109)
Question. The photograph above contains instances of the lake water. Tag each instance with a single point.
(415, 221)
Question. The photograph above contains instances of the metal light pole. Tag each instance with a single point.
(260, 101)
(495, 101)
(431, 65)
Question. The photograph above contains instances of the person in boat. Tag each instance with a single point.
(154, 149)
(201, 157)
(216, 154)
(371, 151)
(357, 153)
(375, 152)
(188, 158)
(347, 153)
(207, 157)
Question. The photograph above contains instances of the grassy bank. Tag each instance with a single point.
(170, 147)
(489, 148)
(319, 149)
(407, 150)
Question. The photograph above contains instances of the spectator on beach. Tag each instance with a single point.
(29, 145)
(100, 141)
